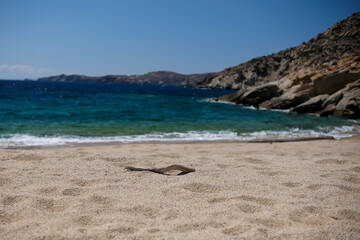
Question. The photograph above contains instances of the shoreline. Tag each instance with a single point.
(74, 145)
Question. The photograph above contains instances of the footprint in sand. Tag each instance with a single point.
(312, 209)
(190, 227)
(81, 182)
(122, 164)
(247, 208)
(259, 200)
(326, 175)
(201, 188)
(83, 220)
(10, 217)
(299, 196)
(197, 226)
(171, 215)
(350, 215)
(308, 215)
(115, 160)
(269, 173)
(28, 157)
(223, 166)
(48, 190)
(292, 184)
(236, 230)
(119, 231)
(219, 200)
(269, 222)
(164, 155)
(331, 161)
(349, 189)
(72, 192)
(255, 161)
(48, 205)
(11, 200)
(4, 181)
(153, 230)
(354, 180)
(315, 187)
(141, 210)
(102, 200)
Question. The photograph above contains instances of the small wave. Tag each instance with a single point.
(249, 107)
(211, 100)
(24, 140)
(276, 110)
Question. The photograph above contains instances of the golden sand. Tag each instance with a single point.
(291, 190)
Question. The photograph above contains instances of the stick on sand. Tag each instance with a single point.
(183, 170)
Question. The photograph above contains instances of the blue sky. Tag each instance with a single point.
(98, 37)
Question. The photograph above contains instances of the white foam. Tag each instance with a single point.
(276, 110)
(211, 100)
(24, 140)
(249, 107)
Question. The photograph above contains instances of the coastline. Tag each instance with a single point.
(304, 189)
(115, 143)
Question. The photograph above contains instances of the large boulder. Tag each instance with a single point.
(312, 105)
(344, 103)
(327, 111)
(291, 98)
(334, 98)
(256, 95)
(234, 97)
(286, 101)
(349, 105)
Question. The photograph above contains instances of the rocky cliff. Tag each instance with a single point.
(340, 41)
(320, 76)
(159, 77)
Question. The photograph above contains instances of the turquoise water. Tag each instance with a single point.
(39, 114)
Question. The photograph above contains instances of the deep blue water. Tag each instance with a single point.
(43, 113)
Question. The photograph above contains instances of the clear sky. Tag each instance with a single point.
(98, 37)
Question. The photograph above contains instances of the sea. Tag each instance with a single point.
(49, 114)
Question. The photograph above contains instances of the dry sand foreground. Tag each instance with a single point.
(294, 190)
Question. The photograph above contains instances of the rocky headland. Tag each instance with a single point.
(159, 78)
(321, 76)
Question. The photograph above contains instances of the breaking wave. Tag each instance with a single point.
(25, 140)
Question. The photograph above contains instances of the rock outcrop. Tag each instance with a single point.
(340, 41)
(312, 105)
(349, 104)
(253, 96)
(321, 76)
(159, 78)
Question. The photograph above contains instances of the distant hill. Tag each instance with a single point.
(340, 41)
(159, 77)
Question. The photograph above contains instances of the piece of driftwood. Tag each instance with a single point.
(183, 170)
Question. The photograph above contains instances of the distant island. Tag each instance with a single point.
(158, 78)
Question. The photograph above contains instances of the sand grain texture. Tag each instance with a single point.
(294, 190)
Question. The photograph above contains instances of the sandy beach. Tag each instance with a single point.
(290, 190)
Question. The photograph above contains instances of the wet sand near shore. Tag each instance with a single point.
(281, 190)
